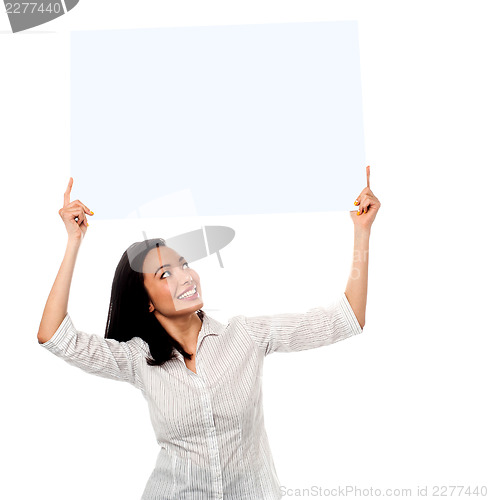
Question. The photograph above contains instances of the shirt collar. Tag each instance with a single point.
(210, 326)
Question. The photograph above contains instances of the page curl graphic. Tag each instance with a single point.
(26, 15)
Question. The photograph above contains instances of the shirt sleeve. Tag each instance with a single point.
(94, 354)
(298, 332)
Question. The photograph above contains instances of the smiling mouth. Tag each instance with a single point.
(190, 294)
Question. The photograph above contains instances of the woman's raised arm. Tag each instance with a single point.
(74, 217)
(356, 288)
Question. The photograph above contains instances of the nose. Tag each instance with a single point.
(185, 276)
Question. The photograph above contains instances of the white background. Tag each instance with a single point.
(402, 405)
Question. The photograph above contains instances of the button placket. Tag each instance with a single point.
(215, 463)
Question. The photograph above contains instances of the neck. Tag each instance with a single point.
(184, 329)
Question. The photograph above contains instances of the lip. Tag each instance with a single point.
(191, 297)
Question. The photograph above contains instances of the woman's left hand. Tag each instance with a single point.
(368, 206)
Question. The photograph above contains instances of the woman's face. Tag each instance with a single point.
(172, 286)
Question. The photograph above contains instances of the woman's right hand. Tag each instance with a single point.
(74, 215)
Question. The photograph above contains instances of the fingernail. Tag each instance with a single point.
(91, 213)
(88, 224)
(356, 203)
(358, 213)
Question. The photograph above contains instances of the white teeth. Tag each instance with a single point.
(188, 294)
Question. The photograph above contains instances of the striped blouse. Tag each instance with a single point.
(209, 424)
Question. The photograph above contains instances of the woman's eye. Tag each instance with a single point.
(184, 265)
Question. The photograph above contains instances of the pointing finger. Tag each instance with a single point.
(368, 176)
(67, 192)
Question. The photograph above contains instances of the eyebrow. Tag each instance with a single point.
(168, 265)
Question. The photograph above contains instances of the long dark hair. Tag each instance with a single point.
(129, 315)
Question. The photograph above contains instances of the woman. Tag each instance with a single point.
(200, 378)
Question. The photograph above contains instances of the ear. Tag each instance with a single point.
(151, 307)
